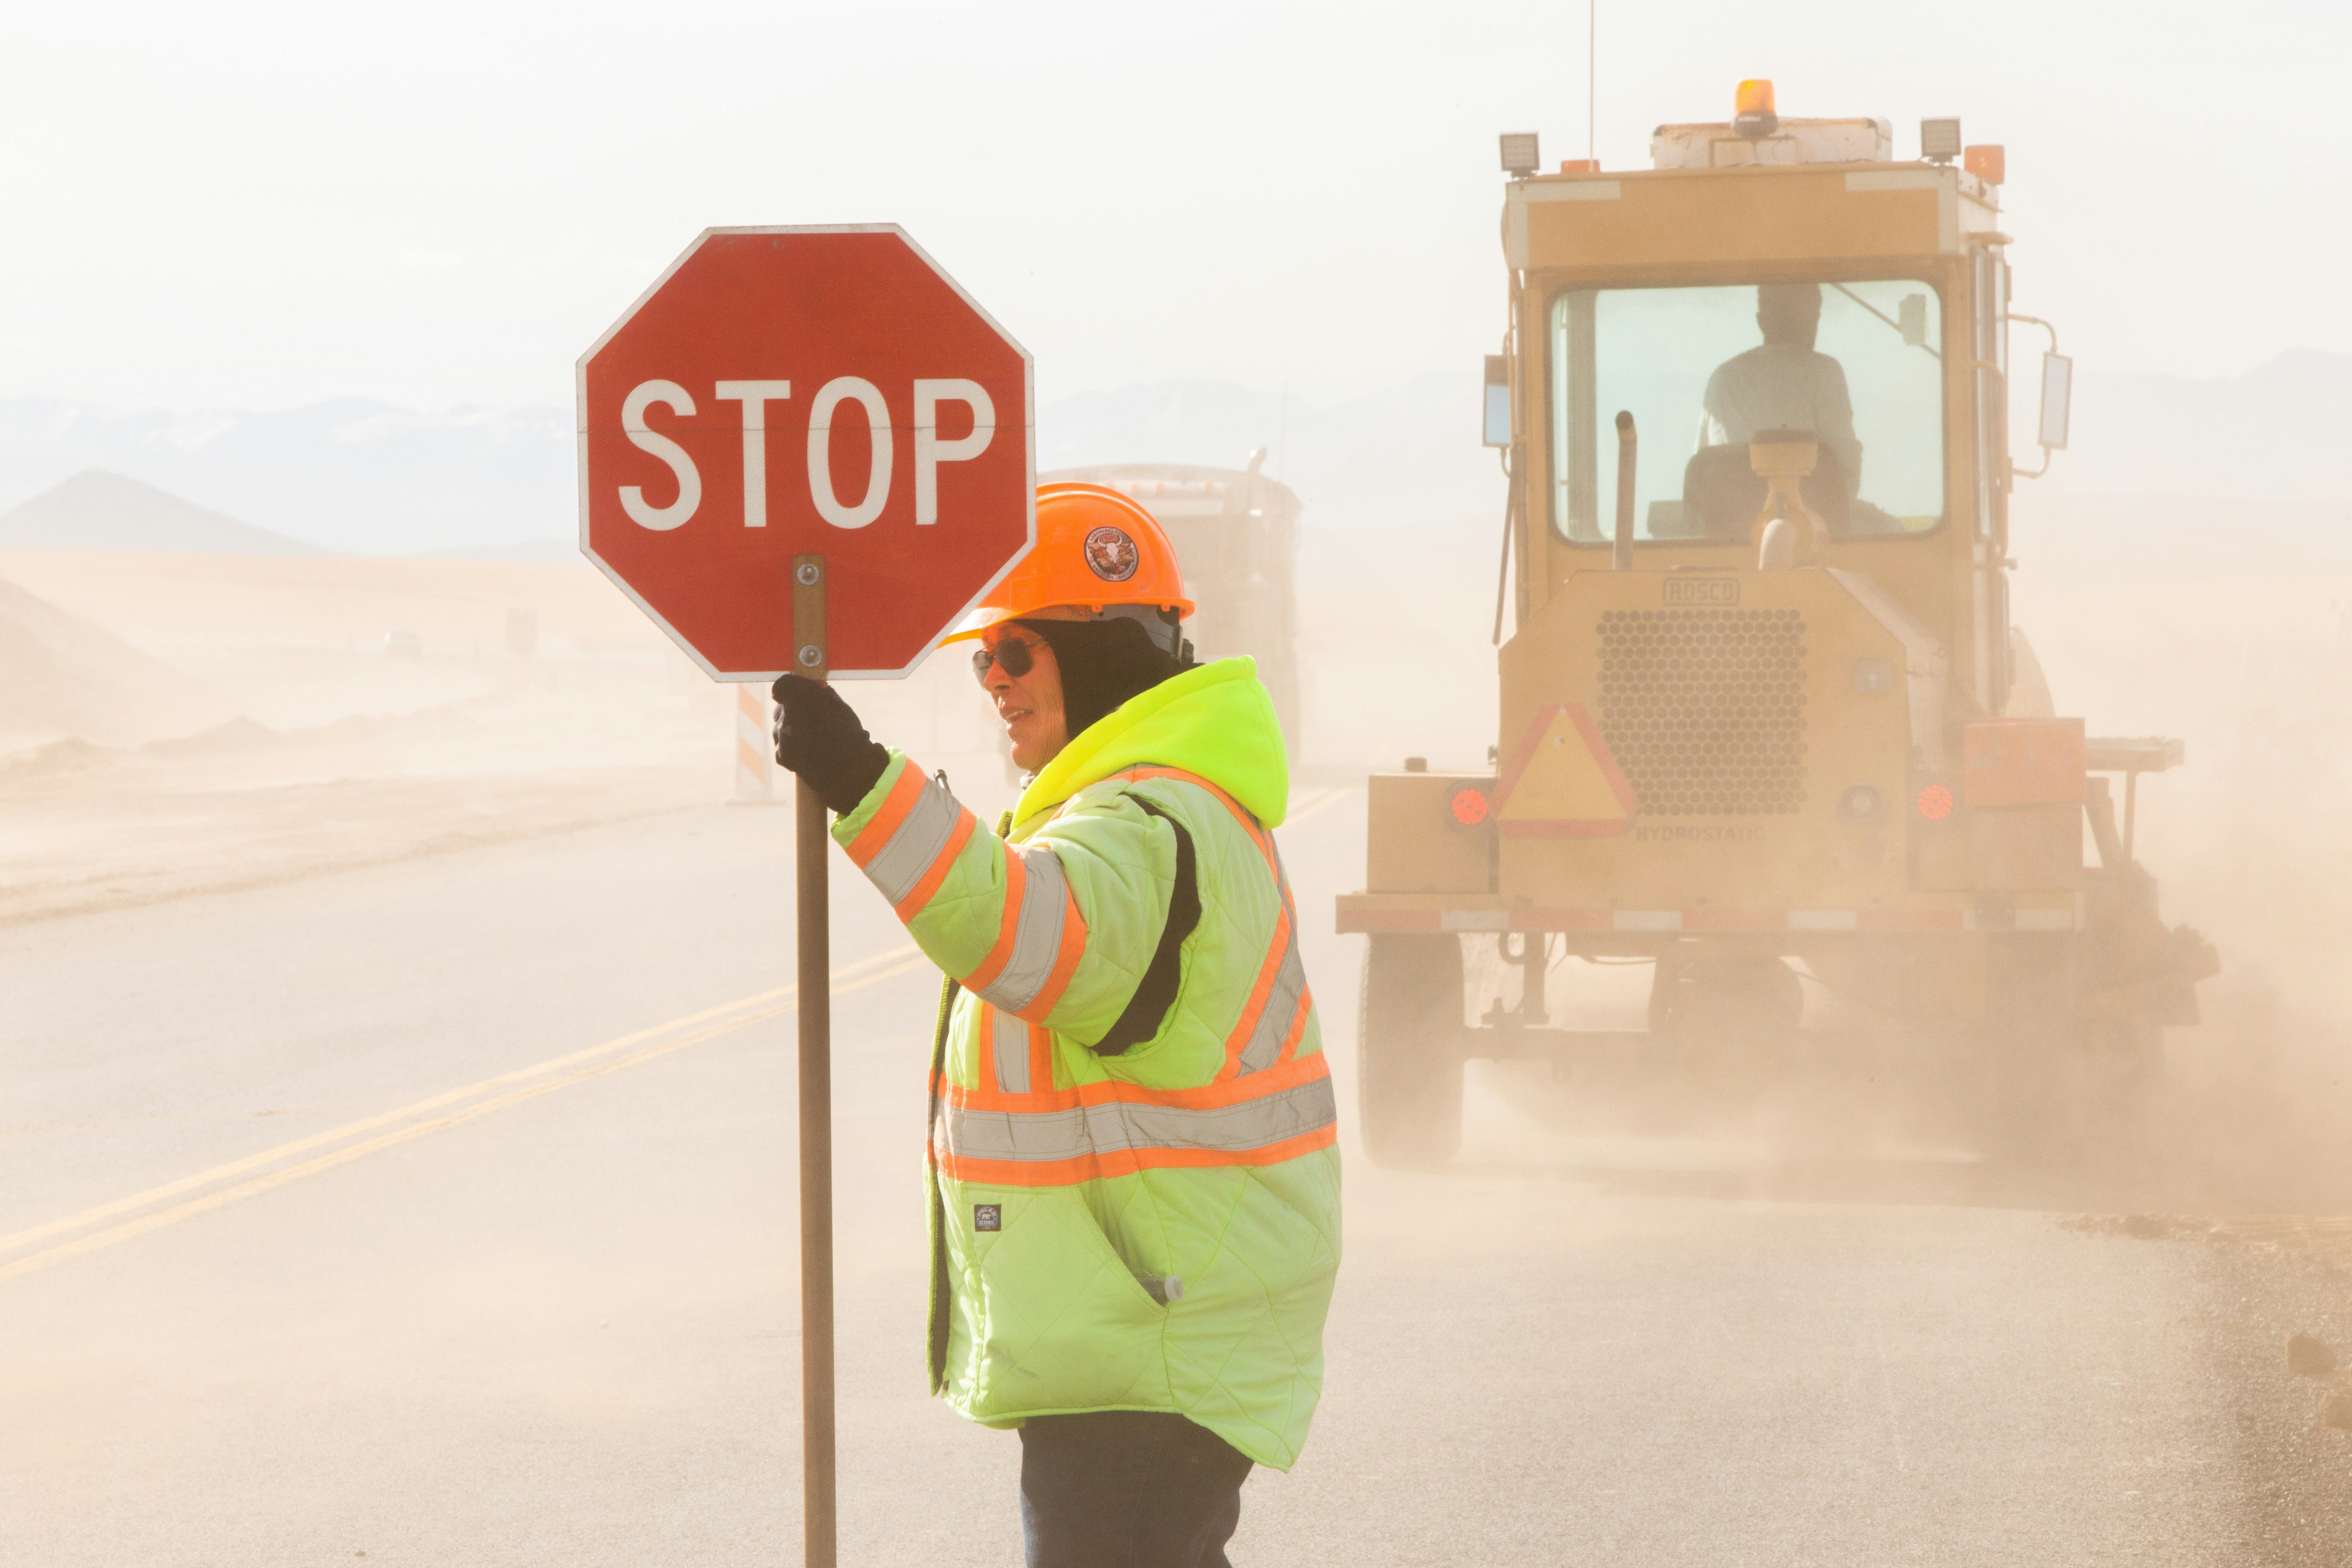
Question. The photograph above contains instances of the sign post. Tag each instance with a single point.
(812, 925)
(807, 450)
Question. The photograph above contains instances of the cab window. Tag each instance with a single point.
(1853, 366)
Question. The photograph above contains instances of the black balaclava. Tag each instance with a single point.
(1103, 663)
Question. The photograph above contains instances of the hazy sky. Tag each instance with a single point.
(247, 205)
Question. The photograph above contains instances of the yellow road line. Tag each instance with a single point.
(783, 997)
(451, 1097)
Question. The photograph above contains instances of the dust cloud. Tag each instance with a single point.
(2251, 844)
(249, 720)
(181, 723)
(178, 723)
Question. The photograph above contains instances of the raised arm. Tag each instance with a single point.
(1057, 930)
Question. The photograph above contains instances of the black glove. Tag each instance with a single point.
(821, 740)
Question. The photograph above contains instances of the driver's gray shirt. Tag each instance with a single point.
(1779, 387)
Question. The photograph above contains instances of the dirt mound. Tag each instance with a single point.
(57, 760)
(63, 675)
(238, 736)
(106, 511)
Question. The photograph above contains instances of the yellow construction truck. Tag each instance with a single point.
(1762, 706)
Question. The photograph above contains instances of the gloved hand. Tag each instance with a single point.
(821, 740)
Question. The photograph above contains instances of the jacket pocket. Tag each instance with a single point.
(1052, 1317)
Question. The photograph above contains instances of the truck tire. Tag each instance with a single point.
(2059, 1088)
(1410, 1044)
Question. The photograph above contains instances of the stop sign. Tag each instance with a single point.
(781, 392)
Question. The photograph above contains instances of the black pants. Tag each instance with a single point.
(1128, 1488)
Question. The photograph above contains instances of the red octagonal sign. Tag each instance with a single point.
(807, 391)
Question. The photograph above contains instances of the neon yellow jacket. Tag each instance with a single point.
(1153, 1224)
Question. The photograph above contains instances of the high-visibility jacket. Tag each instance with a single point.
(1133, 1160)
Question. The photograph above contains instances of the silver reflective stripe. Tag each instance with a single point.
(1009, 1043)
(899, 864)
(1068, 1134)
(1037, 941)
(1264, 1048)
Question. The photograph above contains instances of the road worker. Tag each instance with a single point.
(1133, 1173)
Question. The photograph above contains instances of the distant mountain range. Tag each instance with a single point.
(371, 479)
(348, 476)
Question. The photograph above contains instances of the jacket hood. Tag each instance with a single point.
(1215, 720)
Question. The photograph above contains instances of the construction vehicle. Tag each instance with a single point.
(1237, 535)
(1767, 706)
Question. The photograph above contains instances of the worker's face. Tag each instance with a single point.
(1029, 703)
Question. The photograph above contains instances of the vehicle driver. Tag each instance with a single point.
(1783, 383)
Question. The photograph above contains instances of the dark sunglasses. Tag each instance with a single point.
(1011, 655)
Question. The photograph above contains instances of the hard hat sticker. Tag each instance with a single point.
(1111, 555)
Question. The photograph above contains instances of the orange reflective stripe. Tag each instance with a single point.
(1289, 1051)
(1014, 1057)
(1008, 925)
(1045, 1138)
(1281, 958)
(884, 822)
(1122, 1161)
(1250, 823)
(1065, 962)
(1040, 936)
(1214, 1095)
(1014, 1126)
(1041, 1057)
(1278, 949)
(984, 1068)
(1238, 1041)
(912, 904)
(910, 846)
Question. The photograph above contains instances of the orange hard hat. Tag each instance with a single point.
(1096, 548)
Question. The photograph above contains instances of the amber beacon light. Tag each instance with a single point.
(1751, 109)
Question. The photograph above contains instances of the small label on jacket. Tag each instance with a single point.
(987, 1216)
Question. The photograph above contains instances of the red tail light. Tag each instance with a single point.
(1935, 802)
(1468, 805)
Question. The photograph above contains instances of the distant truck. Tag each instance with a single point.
(1236, 534)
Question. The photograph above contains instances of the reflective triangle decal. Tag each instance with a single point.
(1561, 782)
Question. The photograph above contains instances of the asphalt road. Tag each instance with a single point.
(443, 1212)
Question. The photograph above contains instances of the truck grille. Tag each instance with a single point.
(1704, 709)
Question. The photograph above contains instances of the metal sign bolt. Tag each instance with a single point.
(806, 574)
(811, 655)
